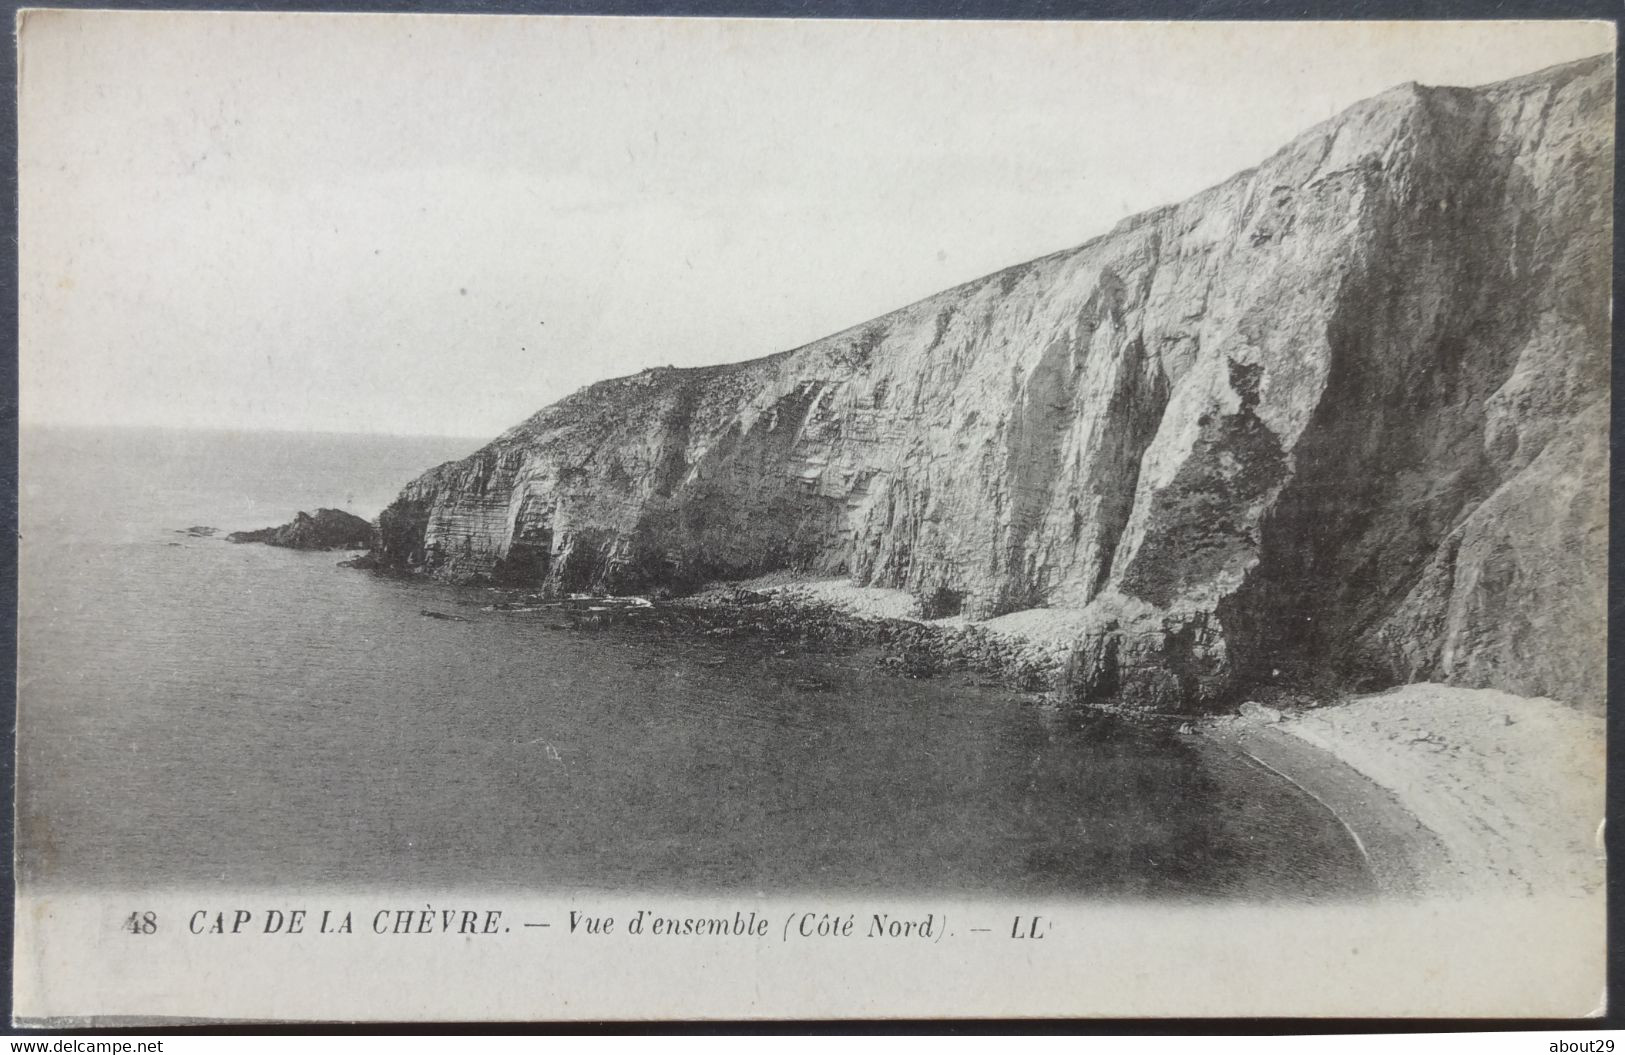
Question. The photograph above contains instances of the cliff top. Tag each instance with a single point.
(1375, 121)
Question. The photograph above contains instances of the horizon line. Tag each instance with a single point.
(24, 423)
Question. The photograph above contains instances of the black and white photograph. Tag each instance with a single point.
(555, 517)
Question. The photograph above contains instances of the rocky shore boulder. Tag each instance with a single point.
(328, 529)
(1346, 411)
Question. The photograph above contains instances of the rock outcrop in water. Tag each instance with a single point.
(328, 529)
(1346, 411)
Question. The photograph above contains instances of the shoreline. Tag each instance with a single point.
(1445, 790)
(1026, 651)
(1508, 789)
(1403, 856)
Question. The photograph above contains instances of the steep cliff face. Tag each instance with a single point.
(1346, 410)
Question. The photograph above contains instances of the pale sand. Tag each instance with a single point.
(1511, 786)
(867, 602)
(1045, 628)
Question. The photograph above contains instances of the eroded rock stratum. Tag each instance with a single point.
(1345, 412)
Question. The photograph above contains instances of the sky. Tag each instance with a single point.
(436, 225)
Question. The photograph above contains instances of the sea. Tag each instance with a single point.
(194, 712)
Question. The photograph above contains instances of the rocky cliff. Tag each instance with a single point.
(1346, 411)
(328, 529)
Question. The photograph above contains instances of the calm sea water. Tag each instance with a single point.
(193, 711)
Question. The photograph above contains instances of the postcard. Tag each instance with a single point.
(681, 518)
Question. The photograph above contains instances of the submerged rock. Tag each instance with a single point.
(328, 529)
(1346, 411)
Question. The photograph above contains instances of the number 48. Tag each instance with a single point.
(141, 923)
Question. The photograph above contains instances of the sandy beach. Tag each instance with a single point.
(1511, 787)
